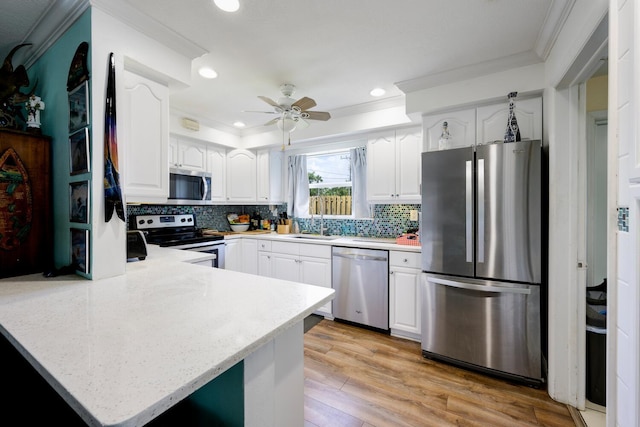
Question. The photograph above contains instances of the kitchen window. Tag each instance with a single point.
(330, 183)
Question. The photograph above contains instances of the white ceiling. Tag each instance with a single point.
(334, 51)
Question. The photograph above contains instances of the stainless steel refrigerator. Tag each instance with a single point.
(481, 257)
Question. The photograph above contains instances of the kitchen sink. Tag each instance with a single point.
(314, 237)
(375, 239)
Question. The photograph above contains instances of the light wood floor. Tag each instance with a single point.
(355, 377)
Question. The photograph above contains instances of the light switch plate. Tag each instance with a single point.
(413, 215)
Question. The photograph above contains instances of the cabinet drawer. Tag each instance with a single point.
(285, 248)
(405, 259)
(318, 251)
(264, 245)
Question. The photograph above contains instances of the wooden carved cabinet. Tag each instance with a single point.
(26, 232)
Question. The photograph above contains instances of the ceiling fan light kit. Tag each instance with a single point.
(292, 114)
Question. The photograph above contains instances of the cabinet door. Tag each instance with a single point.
(492, 120)
(285, 266)
(250, 256)
(241, 176)
(381, 168)
(192, 156)
(317, 271)
(145, 141)
(264, 264)
(408, 165)
(233, 255)
(404, 300)
(216, 166)
(262, 172)
(173, 152)
(461, 125)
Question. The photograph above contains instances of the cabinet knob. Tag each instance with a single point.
(391, 272)
(405, 260)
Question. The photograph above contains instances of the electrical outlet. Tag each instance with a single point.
(413, 215)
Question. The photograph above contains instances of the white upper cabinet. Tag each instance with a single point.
(145, 139)
(481, 125)
(241, 176)
(393, 166)
(492, 120)
(461, 125)
(185, 154)
(269, 170)
(217, 167)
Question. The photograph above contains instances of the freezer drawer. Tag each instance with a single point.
(360, 278)
(482, 324)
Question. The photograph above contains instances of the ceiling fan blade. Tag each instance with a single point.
(317, 115)
(272, 121)
(263, 112)
(269, 101)
(304, 103)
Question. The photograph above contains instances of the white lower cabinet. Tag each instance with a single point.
(305, 263)
(250, 256)
(233, 255)
(404, 294)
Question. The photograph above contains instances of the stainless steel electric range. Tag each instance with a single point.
(179, 232)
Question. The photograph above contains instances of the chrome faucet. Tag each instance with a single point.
(321, 200)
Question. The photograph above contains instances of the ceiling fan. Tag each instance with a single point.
(292, 114)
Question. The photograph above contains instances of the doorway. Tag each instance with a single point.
(595, 220)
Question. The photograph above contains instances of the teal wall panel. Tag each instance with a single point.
(51, 71)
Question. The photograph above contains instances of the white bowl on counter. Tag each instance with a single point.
(240, 226)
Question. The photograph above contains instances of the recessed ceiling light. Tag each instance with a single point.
(377, 92)
(207, 72)
(228, 5)
(239, 124)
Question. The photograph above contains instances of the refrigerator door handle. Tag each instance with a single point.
(469, 212)
(474, 287)
(480, 210)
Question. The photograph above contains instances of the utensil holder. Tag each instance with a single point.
(284, 228)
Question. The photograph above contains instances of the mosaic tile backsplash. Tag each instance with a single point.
(623, 219)
(385, 221)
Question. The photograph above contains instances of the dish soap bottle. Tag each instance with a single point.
(444, 143)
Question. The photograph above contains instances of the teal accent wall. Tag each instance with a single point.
(51, 71)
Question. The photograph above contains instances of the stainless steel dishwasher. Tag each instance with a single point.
(361, 281)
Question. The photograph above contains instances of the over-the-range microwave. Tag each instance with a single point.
(189, 187)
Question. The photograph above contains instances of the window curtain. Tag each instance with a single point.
(298, 187)
(359, 182)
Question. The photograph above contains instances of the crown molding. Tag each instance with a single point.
(53, 23)
(141, 22)
(554, 21)
(464, 73)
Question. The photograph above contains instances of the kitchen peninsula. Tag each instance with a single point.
(122, 351)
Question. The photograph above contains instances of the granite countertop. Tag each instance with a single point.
(122, 350)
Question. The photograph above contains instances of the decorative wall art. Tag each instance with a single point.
(79, 107)
(79, 152)
(16, 201)
(79, 202)
(78, 71)
(112, 191)
(80, 250)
